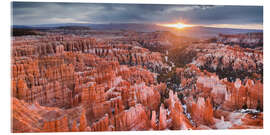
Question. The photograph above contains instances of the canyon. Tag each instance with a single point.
(83, 80)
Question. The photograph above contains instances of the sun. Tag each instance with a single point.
(177, 25)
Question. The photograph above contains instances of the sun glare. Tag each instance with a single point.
(177, 25)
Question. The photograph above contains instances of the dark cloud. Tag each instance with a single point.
(230, 14)
(28, 13)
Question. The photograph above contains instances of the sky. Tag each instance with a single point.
(34, 13)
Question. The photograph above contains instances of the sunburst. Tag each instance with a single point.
(176, 25)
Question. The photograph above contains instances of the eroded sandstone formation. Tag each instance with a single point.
(69, 83)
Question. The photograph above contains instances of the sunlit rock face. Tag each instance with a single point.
(230, 62)
(111, 87)
(176, 113)
(69, 83)
(223, 86)
(210, 100)
(236, 57)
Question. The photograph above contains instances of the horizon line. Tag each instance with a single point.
(203, 25)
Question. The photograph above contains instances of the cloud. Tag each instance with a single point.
(66, 20)
(28, 13)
